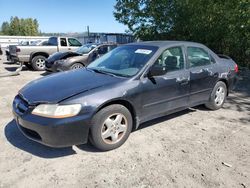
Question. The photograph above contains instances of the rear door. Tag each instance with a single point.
(203, 74)
(168, 92)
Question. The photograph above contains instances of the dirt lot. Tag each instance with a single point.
(186, 149)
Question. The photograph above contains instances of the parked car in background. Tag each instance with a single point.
(35, 56)
(117, 92)
(80, 58)
(1, 52)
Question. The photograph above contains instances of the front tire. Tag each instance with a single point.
(76, 66)
(111, 127)
(38, 63)
(217, 97)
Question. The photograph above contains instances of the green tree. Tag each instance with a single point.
(14, 26)
(224, 25)
(23, 27)
(5, 28)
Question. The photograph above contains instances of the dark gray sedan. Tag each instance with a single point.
(62, 61)
(129, 85)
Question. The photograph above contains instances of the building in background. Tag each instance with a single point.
(120, 38)
(14, 40)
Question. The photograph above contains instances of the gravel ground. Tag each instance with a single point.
(192, 148)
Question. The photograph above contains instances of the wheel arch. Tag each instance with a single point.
(77, 62)
(34, 54)
(126, 104)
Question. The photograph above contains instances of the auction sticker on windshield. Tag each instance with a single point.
(143, 51)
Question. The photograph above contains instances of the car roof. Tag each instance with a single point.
(163, 44)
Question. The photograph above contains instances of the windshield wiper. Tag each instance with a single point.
(102, 72)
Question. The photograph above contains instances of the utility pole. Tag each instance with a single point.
(88, 30)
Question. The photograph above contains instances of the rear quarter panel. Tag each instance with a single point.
(227, 71)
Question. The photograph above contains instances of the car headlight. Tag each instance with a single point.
(57, 111)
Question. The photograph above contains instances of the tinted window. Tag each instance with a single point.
(102, 50)
(197, 57)
(74, 42)
(171, 59)
(63, 42)
(125, 60)
(52, 41)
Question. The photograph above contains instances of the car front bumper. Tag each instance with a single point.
(62, 66)
(50, 131)
(49, 66)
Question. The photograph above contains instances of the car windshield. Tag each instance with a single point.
(86, 48)
(124, 61)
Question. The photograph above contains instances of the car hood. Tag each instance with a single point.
(83, 58)
(60, 86)
(62, 55)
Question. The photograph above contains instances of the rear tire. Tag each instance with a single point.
(111, 127)
(217, 97)
(38, 63)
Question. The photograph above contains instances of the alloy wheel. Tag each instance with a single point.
(40, 63)
(77, 66)
(219, 96)
(114, 128)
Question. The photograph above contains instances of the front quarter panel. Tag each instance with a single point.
(95, 99)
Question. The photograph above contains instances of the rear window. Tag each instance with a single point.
(52, 41)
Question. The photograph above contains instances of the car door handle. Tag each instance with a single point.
(182, 81)
(69, 48)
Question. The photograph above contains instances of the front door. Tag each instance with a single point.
(162, 94)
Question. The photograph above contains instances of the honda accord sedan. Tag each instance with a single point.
(129, 85)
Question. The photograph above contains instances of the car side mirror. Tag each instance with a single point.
(156, 71)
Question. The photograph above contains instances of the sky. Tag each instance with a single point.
(65, 15)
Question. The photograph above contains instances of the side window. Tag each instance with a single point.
(171, 59)
(102, 50)
(74, 42)
(52, 41)
(197, 57)
(63, 42)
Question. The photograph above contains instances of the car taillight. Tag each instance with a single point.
(236, 68)
(18, 50)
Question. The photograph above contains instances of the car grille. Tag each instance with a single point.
(20, 105)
